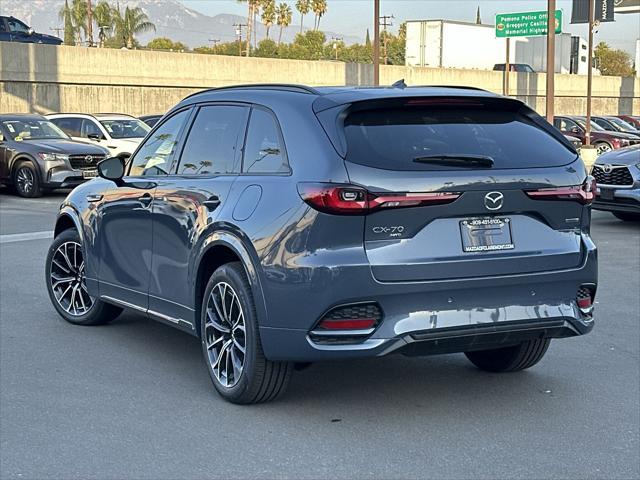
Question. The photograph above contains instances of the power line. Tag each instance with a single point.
(385, 21)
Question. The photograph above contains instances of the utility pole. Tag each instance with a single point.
(551, 58)
(384, 23)
(214, 41)
(239, 27)
(376, 42)
(90, 23)
(57, 30)
(592, 13)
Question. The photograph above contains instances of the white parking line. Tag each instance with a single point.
(21, 237)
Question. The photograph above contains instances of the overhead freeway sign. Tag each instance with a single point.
(525, 24)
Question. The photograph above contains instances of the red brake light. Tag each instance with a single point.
(584, 193)
(352, 200)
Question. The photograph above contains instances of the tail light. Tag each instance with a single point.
(352, 200)
(584, 193)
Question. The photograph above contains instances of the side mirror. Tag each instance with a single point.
(112, 169)
(31, 31)
(94, 136)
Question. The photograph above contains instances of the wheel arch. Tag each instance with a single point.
(24, 157)
(68, 218)
(219, 248)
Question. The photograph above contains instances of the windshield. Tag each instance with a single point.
(583, 123)
(621, 124)
(449, 138)
(126, 128)
(32, 129)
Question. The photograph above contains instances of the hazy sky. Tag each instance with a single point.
(353, 17)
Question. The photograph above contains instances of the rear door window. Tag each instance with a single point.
(213, 141)
(394, 138)
(69, 125)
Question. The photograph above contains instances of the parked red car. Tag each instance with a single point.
(603, 140)
(631, 119)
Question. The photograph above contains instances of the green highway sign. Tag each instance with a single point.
(526, 24)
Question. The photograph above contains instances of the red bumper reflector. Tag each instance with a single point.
(348, 324)
(584, 302)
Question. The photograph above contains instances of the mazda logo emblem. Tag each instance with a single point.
(493, 201)
(88, 159)
(607, 168)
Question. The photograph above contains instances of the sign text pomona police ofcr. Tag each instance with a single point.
(526, 24)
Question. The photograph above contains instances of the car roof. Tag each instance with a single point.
(21, 116)
(326, 97)
(104, 116)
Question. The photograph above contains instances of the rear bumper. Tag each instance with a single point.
(424, 318)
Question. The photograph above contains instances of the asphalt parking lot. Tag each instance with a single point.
(133, 399)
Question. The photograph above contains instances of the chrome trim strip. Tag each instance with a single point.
(344, 333)
(162, 316)
(123, 303)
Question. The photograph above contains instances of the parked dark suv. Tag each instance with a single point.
(288, 224)
(35, 155)
(13, 30)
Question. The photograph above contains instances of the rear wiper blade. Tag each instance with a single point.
(458, 160)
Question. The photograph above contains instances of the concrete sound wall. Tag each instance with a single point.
(44, 78)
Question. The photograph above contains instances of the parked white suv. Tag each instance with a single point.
(119, 133)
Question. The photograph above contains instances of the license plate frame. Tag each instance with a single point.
(606, 194)
(486, 234)
(88, 174)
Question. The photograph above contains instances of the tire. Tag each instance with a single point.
(65, 257)
(26, 181)
(510, 359)
(241, 378)
(627, 216)
(602, 147)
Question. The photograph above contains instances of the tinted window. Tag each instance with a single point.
(156, 154)
(17, 26)
(70, 125)
(212, 144)
(89, 127)
(263, 151)
(566, 125)
(393, 138)
(3, 27)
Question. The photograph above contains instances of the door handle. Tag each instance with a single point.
(212, 203)
(94, 198)
(145, 199)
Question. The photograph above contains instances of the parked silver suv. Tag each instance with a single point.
(35, 155)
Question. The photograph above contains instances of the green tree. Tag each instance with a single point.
(284, 16)
(612, 61)
(308, 46)
(319, 8)
(69, 29)
(104, 16)
(304, 7)
(132, 23)
(268, 16)
(267, 48)
(79, 15)
(164, 43)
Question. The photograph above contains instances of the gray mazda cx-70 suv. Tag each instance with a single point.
(284, 225)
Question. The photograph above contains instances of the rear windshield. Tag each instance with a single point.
(394, 138)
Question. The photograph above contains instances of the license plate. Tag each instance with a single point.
(89, 173)
(606, 194)
(486, 234)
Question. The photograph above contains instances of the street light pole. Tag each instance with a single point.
(376, 42)
(592, 13)
(551, 58)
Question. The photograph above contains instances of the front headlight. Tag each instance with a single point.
(53, 157)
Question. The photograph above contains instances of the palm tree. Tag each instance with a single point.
(133, 22)
(79, 16)
(319, 7)
(104, 16)
(284, 16)
(253, 5)
(303, 7)
(268, 16)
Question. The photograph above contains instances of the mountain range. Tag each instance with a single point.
(171, 18)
